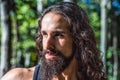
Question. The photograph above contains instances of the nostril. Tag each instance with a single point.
(49, 47)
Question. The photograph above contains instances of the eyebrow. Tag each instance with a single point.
(55, 31)
(58, 31)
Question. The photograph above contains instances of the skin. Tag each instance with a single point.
(55, 36)
(19, 74)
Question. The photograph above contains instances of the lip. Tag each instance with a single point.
(50, 56)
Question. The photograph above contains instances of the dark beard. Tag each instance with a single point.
(51, 68)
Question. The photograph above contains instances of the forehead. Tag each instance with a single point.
(53, 20)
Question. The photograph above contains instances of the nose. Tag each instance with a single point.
(48, 43)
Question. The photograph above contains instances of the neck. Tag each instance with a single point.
(70, 73)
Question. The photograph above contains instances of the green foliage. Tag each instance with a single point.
(109, 52)
(51, 2)
(109, 63)
(95, 23)
(26, 15)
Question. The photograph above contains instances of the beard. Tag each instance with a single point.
(53, 67)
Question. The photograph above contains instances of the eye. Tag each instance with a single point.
(58, 35)
(44, 34)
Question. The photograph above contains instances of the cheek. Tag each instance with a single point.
(43, 44)
(65, 47)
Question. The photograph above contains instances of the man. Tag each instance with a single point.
(66, 46)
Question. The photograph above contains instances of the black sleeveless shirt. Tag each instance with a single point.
(36, 72)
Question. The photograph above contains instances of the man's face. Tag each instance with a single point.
(56, 36)
(57, 45)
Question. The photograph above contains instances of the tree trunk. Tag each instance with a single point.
(39, 6)
(115, 56)
(103, 32)
(6, 37)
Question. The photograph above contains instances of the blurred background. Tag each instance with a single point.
(18, 23)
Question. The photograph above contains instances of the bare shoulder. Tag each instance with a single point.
(19, 74)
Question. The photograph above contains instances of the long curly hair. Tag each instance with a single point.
(86, 52)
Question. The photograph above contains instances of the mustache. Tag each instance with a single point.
(53, 51)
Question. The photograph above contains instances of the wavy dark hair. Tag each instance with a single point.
(86, 52)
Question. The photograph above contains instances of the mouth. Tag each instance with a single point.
(50, 55)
